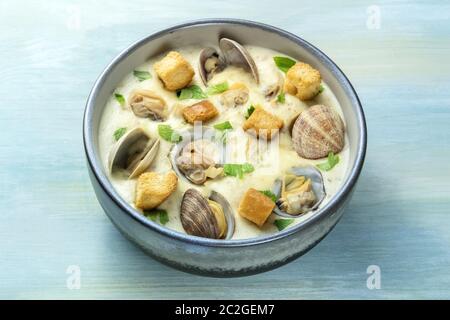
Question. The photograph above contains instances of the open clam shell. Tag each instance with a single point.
(210, 62)
(317, 186)
(199, 219)
(197, 168)
(236, 55)
(231, 53)
(134, 152)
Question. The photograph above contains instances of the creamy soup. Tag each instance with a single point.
(269, 166)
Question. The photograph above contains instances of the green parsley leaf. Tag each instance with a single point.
(281, 98)
(120, 99)
(142, 75)
(223, 126)
(237, 170)
(167, 133)
(250, 111)
(191, 92)
(218, 88)
(321, 89)
(154, 214)
(269, 194)
(282, 224)
(119, 133)
(332, 160)
(284, 63)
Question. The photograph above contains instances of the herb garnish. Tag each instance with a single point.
(332, 160)
(119, 133)
(237, 170)
(154, 214)
(217, 88)
(269, 194)
(191, 92)
(284, 63)
(167, 133)
(281, 98)
(120, 99)
(249, 111)
(142, 75)
(223, 126)
(281, 224)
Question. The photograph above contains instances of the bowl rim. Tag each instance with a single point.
(329, 208)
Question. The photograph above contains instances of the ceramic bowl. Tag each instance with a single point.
(222, 257)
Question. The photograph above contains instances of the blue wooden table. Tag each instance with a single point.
(52, 229)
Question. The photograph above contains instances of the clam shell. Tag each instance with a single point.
(318, 131)
(317, 186)
(205, 54)
(198, 219)
(235, 54)
(146, 150)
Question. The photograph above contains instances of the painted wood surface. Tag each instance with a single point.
(399, 219)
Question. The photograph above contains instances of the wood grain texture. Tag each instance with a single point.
(399, 218)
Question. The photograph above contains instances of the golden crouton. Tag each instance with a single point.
(256, 207)
(174, 71)
(153, 188)
(302, 81)
(201, 111)
(263, 123)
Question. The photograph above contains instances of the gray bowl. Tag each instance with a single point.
(223, 258)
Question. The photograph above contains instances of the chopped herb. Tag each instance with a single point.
(120, 99)
(249, 111)
(167, 133)
(284, 63)
(218, 88)
(269, 194)
(119, 133)
(237, 170)
(192, 92)
(332, 160)
(154, 214)
(281, 98)
(321, 88)
(221, 136)
(223, 126)
(282, 224)
(142, 75)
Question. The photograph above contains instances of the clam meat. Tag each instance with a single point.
(300, 190)
(147, 104)
(133, 153)
(197, 160)
(210, 217)
(318, 131)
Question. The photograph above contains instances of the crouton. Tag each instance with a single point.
(153, 188)
(256, 207)
(263, 123)
(174, 71)
(200, 111)
(302, 81)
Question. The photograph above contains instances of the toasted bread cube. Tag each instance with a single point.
(153, 188)
(303, 81)
(174, 71)
(256, 207)
(201, 111)
(263, 123)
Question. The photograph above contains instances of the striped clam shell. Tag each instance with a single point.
(318, 131)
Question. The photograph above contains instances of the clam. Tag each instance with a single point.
(318, 131)
(210, 217)
(134, 152)
(301, 190)
(235, 96)
(210, 63)
(271, 92)
(147, 104)
(232, 53)
(196, 158)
